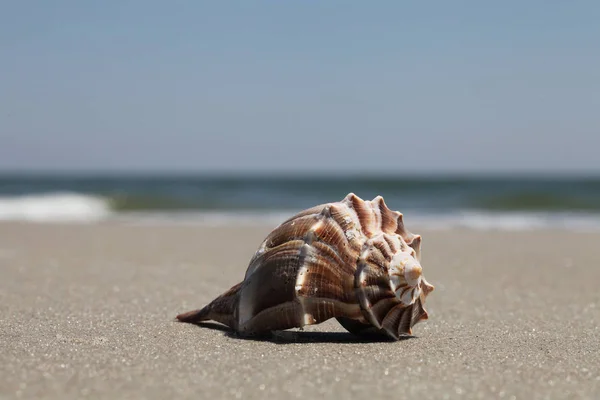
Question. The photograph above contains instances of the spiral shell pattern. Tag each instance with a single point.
(352, 260)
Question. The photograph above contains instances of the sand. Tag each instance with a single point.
(88, 311)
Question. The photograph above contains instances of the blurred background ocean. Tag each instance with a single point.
(434, 202)
(481, 115)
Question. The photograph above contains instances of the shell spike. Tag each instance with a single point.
(379, 200)
(415, 243)
(400, 222)
(349, 196)
(426, 287)
(326, 212)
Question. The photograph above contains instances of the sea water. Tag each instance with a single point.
(506, 203)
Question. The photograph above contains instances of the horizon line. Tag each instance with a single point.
(272, 173)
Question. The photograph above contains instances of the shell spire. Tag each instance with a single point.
(352, 260)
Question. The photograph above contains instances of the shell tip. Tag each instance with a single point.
(400, 221)
(415, 240)
(350, 197)
(378, 199)
(193, 316)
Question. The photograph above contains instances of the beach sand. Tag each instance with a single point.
(88, 311)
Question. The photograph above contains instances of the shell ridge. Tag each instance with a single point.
(261, 259)
(347, 222)
(334, 309)
(326, 265)
(389, 217)
(406, 320)
(382, 246)
(365, 305)
(289, 231)
(329, 253)
(344, 243)
(418, 312)
(281, 316)
(370, 295)
(364, 213)
(308, 212)
(376, 259)
(376, 212)
(382, 309)
(307, 319)
(344, 216)
(394, 248)
(416, 245)
(320, 275)
(391, 321)
(296, 228)
(307, 253)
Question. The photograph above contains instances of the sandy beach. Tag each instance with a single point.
(88, 311)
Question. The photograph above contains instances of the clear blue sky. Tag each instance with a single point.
(392, 86)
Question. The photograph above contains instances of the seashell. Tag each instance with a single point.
(352, 260)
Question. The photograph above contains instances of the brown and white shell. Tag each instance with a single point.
(352, 260)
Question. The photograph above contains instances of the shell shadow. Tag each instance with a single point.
(293, 337)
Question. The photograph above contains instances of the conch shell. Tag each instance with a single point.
(352, 260)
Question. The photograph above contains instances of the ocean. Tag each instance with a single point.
(506, 203)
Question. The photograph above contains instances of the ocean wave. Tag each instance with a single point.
(532, 201)
(205, 218)
(472, 220)
(79, 207)
(523, 201)
(54, 207)
(507, 221)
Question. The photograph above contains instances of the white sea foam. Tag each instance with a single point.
(54, 207)
(506, 221)
(475, 220)
(76, 207)
(205, 218)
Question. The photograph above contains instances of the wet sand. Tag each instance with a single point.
(88, 311)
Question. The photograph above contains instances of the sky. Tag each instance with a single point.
(392, 87)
